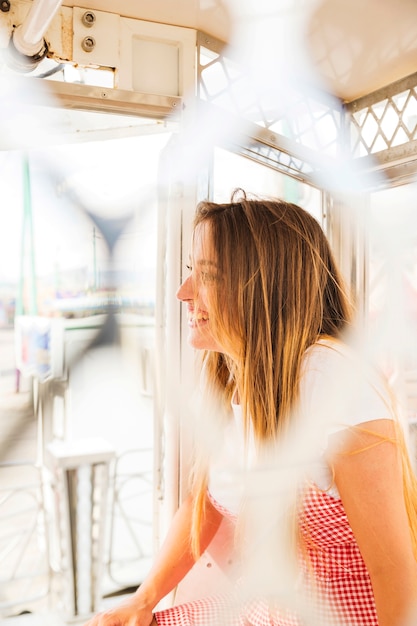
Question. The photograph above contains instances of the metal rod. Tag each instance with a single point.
(28, 37)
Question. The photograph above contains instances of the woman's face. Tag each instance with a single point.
(197, 288)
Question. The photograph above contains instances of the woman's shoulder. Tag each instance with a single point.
(346, 376)
(327, 352)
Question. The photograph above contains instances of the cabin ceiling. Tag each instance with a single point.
(361, 45)
(356, 46)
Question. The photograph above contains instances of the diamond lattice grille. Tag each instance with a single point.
(311, 123)
(312, 120)
(384, 124)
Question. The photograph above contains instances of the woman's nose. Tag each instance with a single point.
(185, 291)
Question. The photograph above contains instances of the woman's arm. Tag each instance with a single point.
(370, 483)
(171, 565)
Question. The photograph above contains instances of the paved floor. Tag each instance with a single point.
(18, 452)
(17, 423)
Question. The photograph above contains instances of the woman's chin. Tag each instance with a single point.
(199, 342)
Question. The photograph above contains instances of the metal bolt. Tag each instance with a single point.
(4, 6)
(88, 19)
(88, 44)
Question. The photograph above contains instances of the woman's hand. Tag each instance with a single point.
(173, 562)
(131, 612)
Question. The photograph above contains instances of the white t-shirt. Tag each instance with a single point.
(337, 390)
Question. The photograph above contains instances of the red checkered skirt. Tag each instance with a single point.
(336, 585)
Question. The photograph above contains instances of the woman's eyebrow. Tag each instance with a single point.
(206, 262)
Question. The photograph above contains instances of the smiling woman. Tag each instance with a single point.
(298, 442)
(197, 292)
(289, 440)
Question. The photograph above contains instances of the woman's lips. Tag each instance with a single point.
(197, 319)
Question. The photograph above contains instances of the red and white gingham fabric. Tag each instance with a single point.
(342, 587)
(336, 579)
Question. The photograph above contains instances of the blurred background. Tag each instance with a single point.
(115, 120)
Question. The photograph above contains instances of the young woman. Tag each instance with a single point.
(306, 440)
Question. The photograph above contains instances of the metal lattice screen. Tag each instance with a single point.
(385, 121)
(313, 127)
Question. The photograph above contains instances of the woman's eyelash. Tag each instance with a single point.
(208, 277)
(205, 276)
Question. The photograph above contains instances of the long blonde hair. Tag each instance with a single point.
(277, 291)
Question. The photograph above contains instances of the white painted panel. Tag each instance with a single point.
(156, 67)
(156, 56)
